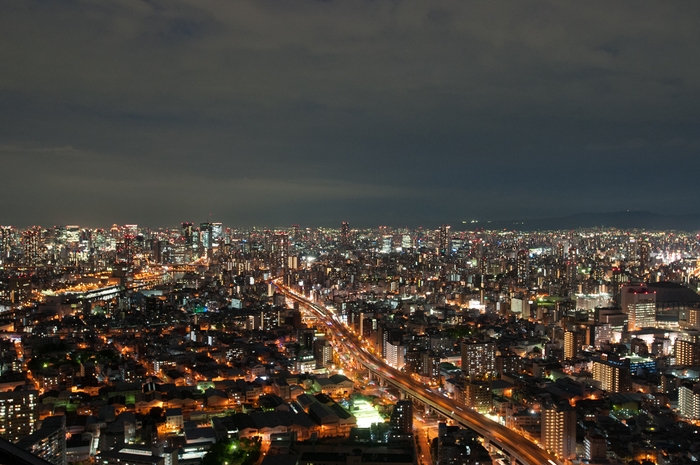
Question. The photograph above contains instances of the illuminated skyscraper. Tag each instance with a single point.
(205, 235)
(217, 234)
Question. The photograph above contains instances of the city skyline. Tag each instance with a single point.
(318, 112)
(203, 344)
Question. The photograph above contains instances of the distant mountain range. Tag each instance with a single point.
(622, 220)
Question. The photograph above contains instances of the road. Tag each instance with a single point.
(526, 452)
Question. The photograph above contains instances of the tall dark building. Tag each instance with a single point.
(187, 231)
(572, 269)
(206, 235)
(281, 252)
(345, 234)
(402, 417)
(49, 441)
(444, 242)
(523, 263)
(643, 258)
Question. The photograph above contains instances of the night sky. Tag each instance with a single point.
(383, 112)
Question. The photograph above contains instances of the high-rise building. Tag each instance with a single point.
(6, 234)
(18, 414)
(613, 376)
(49, 441)
(559, 430)
(386, 244)
(689, 401)
(478, 359)
(444, 241)
(477, 395)
(572, 269)
(395, 354)
(345, 234)
(640, 306)
(401, 420)
(31, 239)
(323, 352)
(205, 235)
(187, 233)
(643, 258)
(523, 265)
(572, 344)
(687, 349)
(281, 253)
(217, 234)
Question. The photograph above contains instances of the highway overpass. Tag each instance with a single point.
(518, 447)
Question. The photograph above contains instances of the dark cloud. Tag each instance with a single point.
(273, 112)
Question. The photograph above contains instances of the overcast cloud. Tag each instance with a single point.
(403, 113)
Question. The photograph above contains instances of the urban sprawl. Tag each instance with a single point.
(204, 344)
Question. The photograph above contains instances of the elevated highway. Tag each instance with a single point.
(518, 447)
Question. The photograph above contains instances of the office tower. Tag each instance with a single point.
(49, 441)
(217, 234)
(523, 265)
(478, 359)
(689, 401)
(640, 306)
(401, 420)
(18, 414)
(444, 242)
(345, 234)
(559, 430)
(613, 376)
(386, 244)
(205, 235)
(187, 233)
(406, 242)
